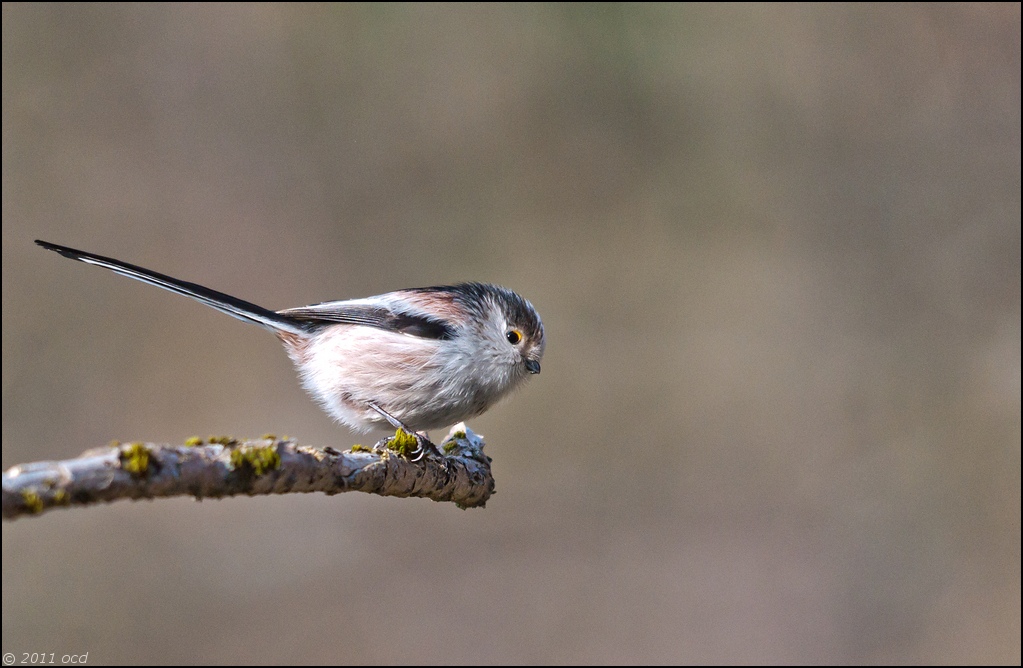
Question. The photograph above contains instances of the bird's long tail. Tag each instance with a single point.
(232, 306)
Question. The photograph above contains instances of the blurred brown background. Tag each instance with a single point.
(776, 249)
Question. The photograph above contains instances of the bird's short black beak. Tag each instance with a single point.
(532, 366)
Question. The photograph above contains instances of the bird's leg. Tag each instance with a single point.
(423, 443)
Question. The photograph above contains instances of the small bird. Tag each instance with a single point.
(417, 359)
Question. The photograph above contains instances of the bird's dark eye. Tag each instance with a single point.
(513, 336)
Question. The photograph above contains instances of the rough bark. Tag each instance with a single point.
(220, 467)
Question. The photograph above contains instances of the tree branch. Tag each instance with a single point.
(225, 467)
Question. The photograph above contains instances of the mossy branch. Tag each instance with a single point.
(222, 467)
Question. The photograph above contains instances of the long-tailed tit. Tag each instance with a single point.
(419, 359)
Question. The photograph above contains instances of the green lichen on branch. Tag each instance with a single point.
(32, 501)
(257, 460)
(135, 459)
(404, 443)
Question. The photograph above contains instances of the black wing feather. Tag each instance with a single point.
(412, 324)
